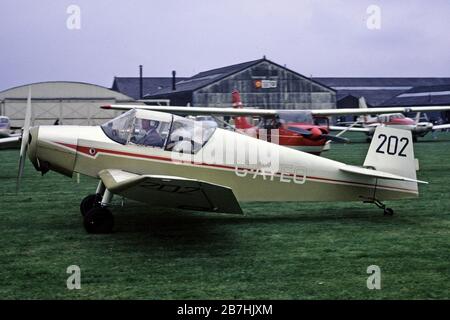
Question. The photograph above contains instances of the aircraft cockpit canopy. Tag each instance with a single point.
(390, 117)
(397, 116)
(159, 130)
(296, 117)
(285, 117)
(4, 122)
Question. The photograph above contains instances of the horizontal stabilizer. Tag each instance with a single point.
(377, 174)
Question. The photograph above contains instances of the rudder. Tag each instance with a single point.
(392, 151)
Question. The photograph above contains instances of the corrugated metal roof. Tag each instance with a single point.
(373, 97)
(430, 89)
(205, 78)
(377, 91)
(208, 77)
(382, 82)
(423, 95)
(130, 85)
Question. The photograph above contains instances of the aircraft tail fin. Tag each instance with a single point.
(363, 105)
(417, 119)
(239, 122)
(392, 151)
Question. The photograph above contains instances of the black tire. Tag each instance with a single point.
(388, 212)
(98, 220)
(89, 202)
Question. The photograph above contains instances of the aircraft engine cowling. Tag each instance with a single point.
(54, 148)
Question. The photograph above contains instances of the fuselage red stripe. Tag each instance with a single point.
(86, 150)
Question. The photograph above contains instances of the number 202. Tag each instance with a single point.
(394, 146)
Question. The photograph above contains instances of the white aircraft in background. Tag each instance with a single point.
(8, 136)
(367, 124)
(6, 130)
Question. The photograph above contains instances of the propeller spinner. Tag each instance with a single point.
(307, 133)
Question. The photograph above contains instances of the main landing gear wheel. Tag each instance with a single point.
(98, 220)
(388, 212)
(89, 202)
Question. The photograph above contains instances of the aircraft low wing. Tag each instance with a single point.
(197, 110)
(369, 111)
(353, 129)
(442, 127)
(10, 142)
(10, 139)
(172, 192)
(180, 110)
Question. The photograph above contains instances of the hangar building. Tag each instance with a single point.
(266, 84)
(70, 102)
(262, 84)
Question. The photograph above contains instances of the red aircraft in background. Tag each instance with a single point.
(295, 129)
(305, 130)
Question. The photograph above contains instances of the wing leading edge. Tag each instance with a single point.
(180, 110)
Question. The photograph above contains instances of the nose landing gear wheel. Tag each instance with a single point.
(98, 220)
(89, 202)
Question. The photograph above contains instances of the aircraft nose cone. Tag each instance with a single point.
(315, 133)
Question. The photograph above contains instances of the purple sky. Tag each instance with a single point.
(313, 37)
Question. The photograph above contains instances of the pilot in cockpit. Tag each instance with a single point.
(149, 135)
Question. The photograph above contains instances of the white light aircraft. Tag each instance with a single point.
(9, 136)
(166, 160)
(394, 119)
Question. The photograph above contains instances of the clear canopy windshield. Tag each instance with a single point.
(285, 117)
(296, 117)
(4, 122)
(150, 132)
(119, 129)
(188, 136)
(159, 130)
(389, 117)
(397, 116)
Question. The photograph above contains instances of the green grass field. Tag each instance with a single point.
(275, 251)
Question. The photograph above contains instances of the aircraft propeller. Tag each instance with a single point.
(328, 137)
(24, 141)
